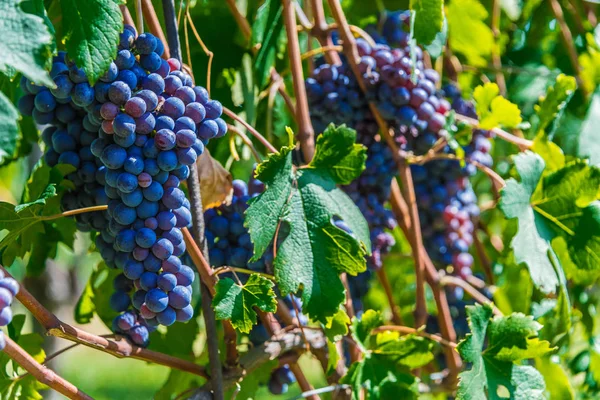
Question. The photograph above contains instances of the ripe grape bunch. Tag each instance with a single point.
(228, 239)
(8, 290)
(72, 118)
(144, 124)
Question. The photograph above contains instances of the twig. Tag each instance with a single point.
(222, 270)
(320, 50)
(306, 134)
(523, 144)
(486, 264)
(326, 389)
(208, 53)
(127, 19)
(496, 60)
(118, 348)
(383, 279)
(193, 183)
(449, 280)
(568, 41)
(77, 211)
(42, 373)
(321, 33)
(408, 330)
(250, 129)
(240, 19)
(154, 25)
(302, 18)
(355, 354)
(246, 141)
(140, 16)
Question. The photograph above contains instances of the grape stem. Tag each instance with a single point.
(246, 141)
(321, 33)
(208, 53)
(119, 348)
(306, 133)
(496, 60)
(569, 43)
(250, 129)
(408, 330)
(43, 374)
(448, 280)
(522, 143)
(127, 19)
(385, 282)
(77, 211)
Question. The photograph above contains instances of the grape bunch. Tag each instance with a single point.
(228, 239)
(155, 124)
(8, 290)
(72, 121)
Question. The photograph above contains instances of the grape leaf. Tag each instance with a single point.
(29, 223)
(337, 325)
(387, 360)
(429, 18)
(268, 32)
(589, 145)
(304, 200)
(555, 376)
(552, 105)
(235, 302)
(92, 29)
(560, 204)
(95, 298)
(215, 181)
(26, 43)
(494, 110)
(468, 32)
(9, 130)
(509, 339)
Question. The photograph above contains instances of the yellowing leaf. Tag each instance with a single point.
(468, 32)
(494, 110)
(215, 181)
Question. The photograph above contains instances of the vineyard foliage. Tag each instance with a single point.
(342, 199)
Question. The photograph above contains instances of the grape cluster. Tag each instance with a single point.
(155, 124)
(132, 137)
(228, 240)
(8, 290)
(72, 119)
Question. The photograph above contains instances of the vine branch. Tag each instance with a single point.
(43, 374)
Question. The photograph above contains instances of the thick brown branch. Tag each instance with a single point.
(118, 348)
(43, 374)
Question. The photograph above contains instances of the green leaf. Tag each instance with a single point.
(337, 325)
(410, 351)
(494, 110)
(560, 204)
(303, 202)
(589, 145)
(92, 29)
(268, 32)
(9, 129)
(553, 156)
(362, 327)
(26, 43)
(379, 381)
(468, 32)
(337, 152)
(508, 338)
(235, 302)
(429, 19)
(552, 105)
(95, 298)
(557, 381)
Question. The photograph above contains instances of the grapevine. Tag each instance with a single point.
(406, 205)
